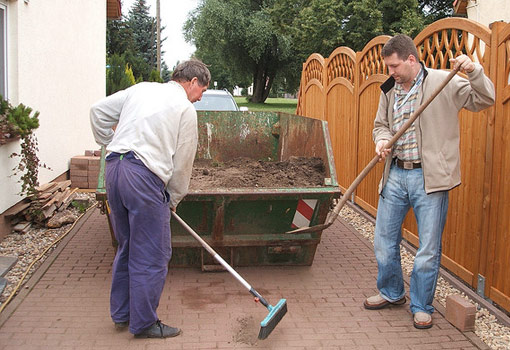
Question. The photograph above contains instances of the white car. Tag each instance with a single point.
(217, 100)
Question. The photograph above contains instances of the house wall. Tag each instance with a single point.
(56, 65)
(486, 12)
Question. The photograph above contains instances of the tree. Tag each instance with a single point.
(166, 75)
(241, 34)
(434, 10)
(221, 73)
(119, 75)
(364, 22)
(268, 40)
(401, 16)
(143, 27)
(315, 26)
(134, 37)
(155, 76)
(119, 37)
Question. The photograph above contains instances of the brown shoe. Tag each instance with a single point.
(422, 320)
(378, 302)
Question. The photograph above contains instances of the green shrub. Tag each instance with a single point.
(129, 73)
(155, 76)
(21, 120)
(117, 77)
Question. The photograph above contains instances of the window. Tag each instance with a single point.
(216, 100)
(3, 51)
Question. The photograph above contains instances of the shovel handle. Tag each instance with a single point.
(390, 143)
(336, 210)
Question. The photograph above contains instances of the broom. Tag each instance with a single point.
(276, 312)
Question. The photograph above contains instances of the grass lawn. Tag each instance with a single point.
(287, 105)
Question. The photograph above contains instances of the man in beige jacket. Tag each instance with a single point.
(420, 168)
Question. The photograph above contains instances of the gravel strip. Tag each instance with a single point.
(28, 247)
(487, 327)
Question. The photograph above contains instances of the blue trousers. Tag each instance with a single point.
(405, 189)
(140, 216)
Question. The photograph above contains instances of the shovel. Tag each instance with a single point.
(332, 215)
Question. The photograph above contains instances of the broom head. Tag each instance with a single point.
(275, 315)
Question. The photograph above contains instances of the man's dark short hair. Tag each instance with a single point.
(187, 70)
(402, 45)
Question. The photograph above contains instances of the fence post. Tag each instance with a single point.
(485, 269)
(357, 83)
(325, 84)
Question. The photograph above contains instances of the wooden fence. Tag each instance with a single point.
(343, 89)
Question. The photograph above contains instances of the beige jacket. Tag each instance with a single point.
(437, 128)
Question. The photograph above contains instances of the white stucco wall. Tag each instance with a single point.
(485, 12)
(56, 65)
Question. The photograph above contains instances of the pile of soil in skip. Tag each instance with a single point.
(248, 173)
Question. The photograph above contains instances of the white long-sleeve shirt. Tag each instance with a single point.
(158, 123)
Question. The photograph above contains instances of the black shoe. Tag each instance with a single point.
(158, 330)
(121, 325)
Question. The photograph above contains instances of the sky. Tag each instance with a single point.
(173, 15)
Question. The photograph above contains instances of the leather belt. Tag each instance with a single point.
(407, 165)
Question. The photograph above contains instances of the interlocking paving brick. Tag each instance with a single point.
(69, 305)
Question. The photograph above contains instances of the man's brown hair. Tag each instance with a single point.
(188, 70)
(402, 45)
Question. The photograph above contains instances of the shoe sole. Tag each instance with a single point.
(121, 326)
(422, 326)
(384, 304)
(157, 337)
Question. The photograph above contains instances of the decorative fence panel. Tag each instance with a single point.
(371, 72)
(312, 88)
(339, 77)
(344, 90)
(496, 269)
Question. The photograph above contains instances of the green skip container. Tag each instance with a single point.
(248, 226)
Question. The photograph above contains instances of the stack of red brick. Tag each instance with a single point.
(85, 170)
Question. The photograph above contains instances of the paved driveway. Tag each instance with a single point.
(66, 303)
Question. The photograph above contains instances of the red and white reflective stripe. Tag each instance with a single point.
(304, 213)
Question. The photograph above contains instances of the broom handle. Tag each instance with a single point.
(220, 260)
(375, 160)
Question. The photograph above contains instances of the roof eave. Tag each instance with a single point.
(460, 7)
(113, 9)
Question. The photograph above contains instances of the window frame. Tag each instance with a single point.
(3, 55)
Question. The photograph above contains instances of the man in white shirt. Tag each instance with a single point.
(150, 132)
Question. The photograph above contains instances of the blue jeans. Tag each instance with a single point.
(405, 189)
